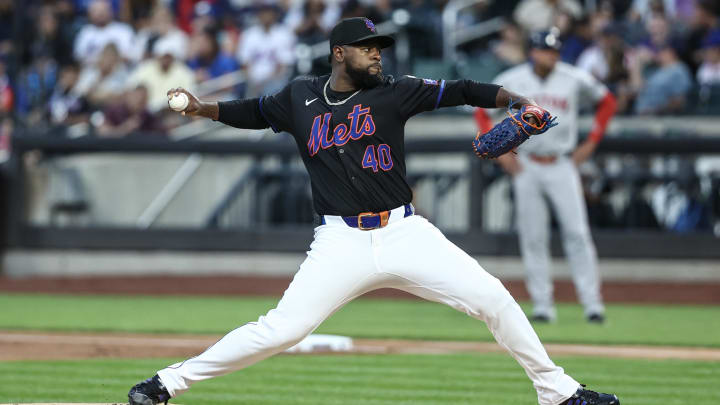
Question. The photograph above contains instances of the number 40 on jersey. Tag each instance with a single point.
(377, 158)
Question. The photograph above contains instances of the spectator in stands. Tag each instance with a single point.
(681, 10)
(705, 20)
(69, 20)
(266, 53)
(46, 47)
(376, 11)
(665, 90)
(510, 49)
(139, 13)
(164, 71)
(605, 60)
(208, 60)
(83, 6)
(47, 40)
(539, 15)
(188, 12)
(6, 25)
(65, 106)
(105, 80)
(6, 128)
(131, 116)
(34, 85)
(161, 25)
(620, 8)
(101, 31)
(576, 37)
(659, 32)
(425, 29)
(312, 20)
(7, 96)
(709, 72)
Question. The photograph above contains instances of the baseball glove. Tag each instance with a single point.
(512, 131)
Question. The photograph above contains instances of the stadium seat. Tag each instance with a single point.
(708, 100)
(482, 69)
(434, 69)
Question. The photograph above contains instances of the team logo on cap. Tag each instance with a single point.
(370, 25)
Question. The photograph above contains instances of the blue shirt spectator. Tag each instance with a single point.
(665, 89)
(209, 61)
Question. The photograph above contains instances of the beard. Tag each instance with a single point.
(362, 78)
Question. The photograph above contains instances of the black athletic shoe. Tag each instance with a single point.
(149, 392)
(596, 318)
(540, 318)
(587, 397)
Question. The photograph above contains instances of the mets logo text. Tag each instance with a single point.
(361, 124)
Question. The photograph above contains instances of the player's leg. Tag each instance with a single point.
(533, 227)
(423, 262)
(569, 205)
(338, 268)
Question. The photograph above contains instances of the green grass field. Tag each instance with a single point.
(492, 379)
(363, 318)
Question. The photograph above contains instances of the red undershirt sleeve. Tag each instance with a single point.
(603, 114)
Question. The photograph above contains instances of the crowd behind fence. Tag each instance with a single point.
(106, 64)
(254, 196)
(100, 69)
(639, 182)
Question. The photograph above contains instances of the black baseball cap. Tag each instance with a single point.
(357, 29)
(545, 40)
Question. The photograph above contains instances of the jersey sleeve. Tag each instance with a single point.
(590, 86)
(414, 95)
(501, 79)
(417, 95)
(277, 109)
(496, 114)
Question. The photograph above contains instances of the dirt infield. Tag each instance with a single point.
(47, 346)
(613, 291)
(56, 346)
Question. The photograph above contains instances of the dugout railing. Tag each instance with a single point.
(218, 234)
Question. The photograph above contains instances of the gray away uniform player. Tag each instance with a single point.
(545, 175)
(349, 129)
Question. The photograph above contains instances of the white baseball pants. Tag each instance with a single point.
(409, 254)
(559, 183)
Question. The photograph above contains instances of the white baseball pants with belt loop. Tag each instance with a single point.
(343, 263)
(556, 183)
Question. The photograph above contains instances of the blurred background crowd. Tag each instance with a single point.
(108, 63)
(101, 68)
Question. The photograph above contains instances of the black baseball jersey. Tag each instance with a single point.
(352, 144)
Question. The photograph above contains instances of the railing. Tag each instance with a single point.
(265, 236)
(454, 35)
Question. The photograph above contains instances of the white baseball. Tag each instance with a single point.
(179, 102)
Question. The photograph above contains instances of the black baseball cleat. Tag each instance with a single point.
(587, 397)
(149, 392)
(596, 318)
(540, 318)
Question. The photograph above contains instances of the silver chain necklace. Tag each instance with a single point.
(338, 102)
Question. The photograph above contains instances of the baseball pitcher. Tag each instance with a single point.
(544, 171)
(349, 130)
